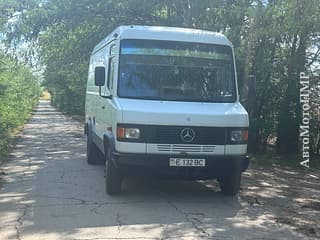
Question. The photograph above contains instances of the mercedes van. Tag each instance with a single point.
(165, 101)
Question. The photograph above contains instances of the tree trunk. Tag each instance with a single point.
(290, 110)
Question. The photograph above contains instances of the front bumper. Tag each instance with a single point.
(158, 164)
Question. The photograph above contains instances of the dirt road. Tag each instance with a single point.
(49, 192)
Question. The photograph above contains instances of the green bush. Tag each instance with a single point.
(19, 93)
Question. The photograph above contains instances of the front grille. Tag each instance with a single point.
(172, 135)
(160, 134)
(178, 148)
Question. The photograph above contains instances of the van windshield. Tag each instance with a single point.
(176, 71)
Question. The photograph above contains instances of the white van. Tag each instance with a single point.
(165, 101)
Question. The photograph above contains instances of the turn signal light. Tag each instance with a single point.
(120, 132)
(245, 135)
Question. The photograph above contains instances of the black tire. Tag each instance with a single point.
(93, 152)
(230, 185)
(113, 177)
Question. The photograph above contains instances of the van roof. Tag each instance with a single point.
(165, 33)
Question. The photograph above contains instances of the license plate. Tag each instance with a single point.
(187, 162)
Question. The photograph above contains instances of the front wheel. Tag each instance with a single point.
(230, 185)
(93, 153)
(113, 177)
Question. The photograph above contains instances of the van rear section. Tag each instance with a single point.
(165, 101)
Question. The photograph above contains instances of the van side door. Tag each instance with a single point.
(104, 117)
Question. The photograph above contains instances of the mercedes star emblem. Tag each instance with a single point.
(187, 135)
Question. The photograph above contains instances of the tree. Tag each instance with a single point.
(298, 25)
(273, 42)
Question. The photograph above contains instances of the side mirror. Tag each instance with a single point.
(99, 76)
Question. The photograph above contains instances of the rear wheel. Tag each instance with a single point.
(93, 152)
(230, 185)
(113, 176)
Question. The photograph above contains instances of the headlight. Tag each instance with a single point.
(132, 133)
(128, 133)
(239, 135)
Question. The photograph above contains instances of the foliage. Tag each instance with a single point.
(274, 40)
(315, 115)
(19, 92)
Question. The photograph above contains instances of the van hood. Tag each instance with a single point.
(183, 113)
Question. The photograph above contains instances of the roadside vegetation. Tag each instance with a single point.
(274, 41)
(19, 93)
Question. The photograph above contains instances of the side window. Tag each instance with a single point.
(111, 64)
(112, 50)
(111, 72)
